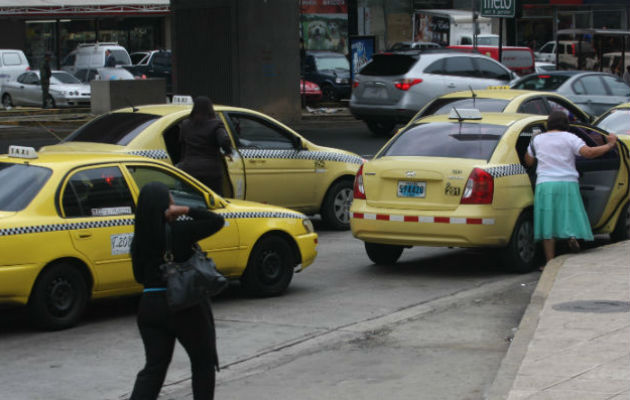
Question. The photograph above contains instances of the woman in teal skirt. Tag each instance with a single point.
(558, 209)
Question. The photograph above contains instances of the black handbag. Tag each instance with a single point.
(190, 282)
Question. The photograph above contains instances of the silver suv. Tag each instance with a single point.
(394, 86)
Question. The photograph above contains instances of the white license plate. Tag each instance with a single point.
(411, 189)
(375, 93)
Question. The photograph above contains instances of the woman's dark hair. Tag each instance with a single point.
(202, 110)
(558, 120)
(148, 238)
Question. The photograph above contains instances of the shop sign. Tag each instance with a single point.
(498, 8)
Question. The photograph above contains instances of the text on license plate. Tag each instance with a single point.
(411, 189)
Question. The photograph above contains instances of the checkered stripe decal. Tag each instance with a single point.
(155, 154)
(301, 155)
(424, 220)
(506, 170)
(22, 230)
(253, 214)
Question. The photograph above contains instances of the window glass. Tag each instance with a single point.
(64, 77)
(69, 60)
(492, 70)
(22, 77)
(332, 63)
(446, 139)
(138, 58)
(573, 113)
(561, 48)
(184, 194)
(11, 58)
(444, 106)
(617, 122)
(593, 85)
(20, 184)
(435, 68)
(121, 56)
(388, 65)
(617, 86)
(593, 138)
(162, 60)
(548, 48)
(459, 66)
(97, 192)
(30, 78)
(534, 106)
(254, 133)
(114, 128)
(541, 82)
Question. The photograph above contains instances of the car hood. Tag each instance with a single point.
(341, 73)
(80, 87)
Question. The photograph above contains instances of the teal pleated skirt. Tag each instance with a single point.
(559, 212)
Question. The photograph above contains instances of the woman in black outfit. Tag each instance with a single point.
(202, 135)
(159, 327)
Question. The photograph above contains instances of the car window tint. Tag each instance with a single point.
(11, 58)
(183, 193)
(389, 64)
(548, 48)
(162, 60)
(618, 122)
(534, 106)
(20, 184)
(541, 82)
(444, 106)
(436, 67)
(459, 66)
(114, 128)
(121, 56)
(22, 77)
(617, 86)
(64, 77)
(593, 85)
(97, 192)
(446, 139)
(572, 112)
(255, 133)
(30, 78)
(332, 63)
(492, 70)
(561, 48)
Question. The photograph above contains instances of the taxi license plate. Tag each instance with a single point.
(411, 189)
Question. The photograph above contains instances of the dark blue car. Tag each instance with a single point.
(331, 71)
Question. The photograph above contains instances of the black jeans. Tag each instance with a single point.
(159, 328)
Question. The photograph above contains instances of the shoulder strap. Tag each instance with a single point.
(168, 251)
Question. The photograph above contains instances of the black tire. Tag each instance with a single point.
(622, 228)
(328, 93)
(7, 101)
(520, 254)
(50, 102)
(383, 254)
(336, 206)
(381, 128)
(59, 297)
(270, 267)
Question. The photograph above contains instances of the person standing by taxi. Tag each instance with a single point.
(202, 136)
(558, 209)
(159, 326)
(44, 78)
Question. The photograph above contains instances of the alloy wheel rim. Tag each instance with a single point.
(341, 205)
(525, 242)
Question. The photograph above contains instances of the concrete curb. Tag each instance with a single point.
(28, 111)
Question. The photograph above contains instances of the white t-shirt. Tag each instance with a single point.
(555, 152)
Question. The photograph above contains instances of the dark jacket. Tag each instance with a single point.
(45, 73)
(200, 144)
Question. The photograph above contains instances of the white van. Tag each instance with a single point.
(568, 52)
(12, 64)
(92, 55)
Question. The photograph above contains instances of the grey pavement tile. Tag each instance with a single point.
(521, 394)
(585, 385)
(536, 382)
(620, 396)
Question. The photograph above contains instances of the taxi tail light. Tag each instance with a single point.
(355, 83)
(479, 188)
(359, 190)
(407, 83)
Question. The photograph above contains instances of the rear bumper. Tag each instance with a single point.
(307, 245)
(467, 226)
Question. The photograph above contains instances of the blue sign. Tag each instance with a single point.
(362, 49)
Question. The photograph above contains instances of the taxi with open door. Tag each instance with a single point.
(273, 164)
(615, 120)
(67, 220)
(459, 180)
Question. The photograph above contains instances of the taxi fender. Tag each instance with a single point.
(272, 228)
(348, 172)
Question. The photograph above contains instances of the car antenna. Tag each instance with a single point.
(133, 108)
(474, 95)
(459, 116)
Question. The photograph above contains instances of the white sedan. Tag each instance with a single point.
(65, 91)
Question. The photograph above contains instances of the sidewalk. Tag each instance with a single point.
(573, 342)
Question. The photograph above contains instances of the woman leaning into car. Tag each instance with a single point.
(558, 209)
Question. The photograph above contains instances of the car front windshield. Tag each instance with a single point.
(617, 122)
(121, 56)
(446, 139)
(20, 184)
(115, 128)
(541, 82)
(332, 63)
(63, 78)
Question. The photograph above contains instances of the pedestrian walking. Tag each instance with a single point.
(110, 60)
(202, 136)
(159, 327)
(558, 209)
(44, 77)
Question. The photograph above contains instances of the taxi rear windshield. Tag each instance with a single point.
(20, 184)
(444, 106)
(115, 128)
(446, 139)
(541, 82)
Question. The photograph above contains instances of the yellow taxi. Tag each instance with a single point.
(504, 100)
(459, 180)
(615, 120)
(66, 224)
(273, 164)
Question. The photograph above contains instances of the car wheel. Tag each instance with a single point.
(270, 267)
(336, 207)
(520, 254)
(328, 93)
(381, 128)
(7, 101)
(59, 297)
(50, 102)
(622, 228)
(383, 254)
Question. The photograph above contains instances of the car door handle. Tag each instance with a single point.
(83, 234)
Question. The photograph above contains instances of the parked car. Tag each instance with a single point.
(517, 59)
(310, 91)
(65, 91)
(12, 63)
(568, 53)
(393, 87)
(593, 92)
(77, 211)
(399, 46)
(504, 100)
(458, 180)
(331, 71)
(271, 163)
(92, 56)
(155, 64)
(612, 59)
(615, 120)
(137, 56)
(87, 75)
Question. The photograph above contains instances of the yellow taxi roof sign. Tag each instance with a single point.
(22, 152)
(182, 99)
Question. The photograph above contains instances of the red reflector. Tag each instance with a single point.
(441, 220)
(473, 221)
(382, 217)
(409, 218)
(357, 215)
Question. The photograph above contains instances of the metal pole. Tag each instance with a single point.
(555, 35)
(501, 40)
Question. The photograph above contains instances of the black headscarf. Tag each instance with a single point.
(202, 110)
(147, 246)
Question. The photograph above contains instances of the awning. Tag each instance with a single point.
(66, 8)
